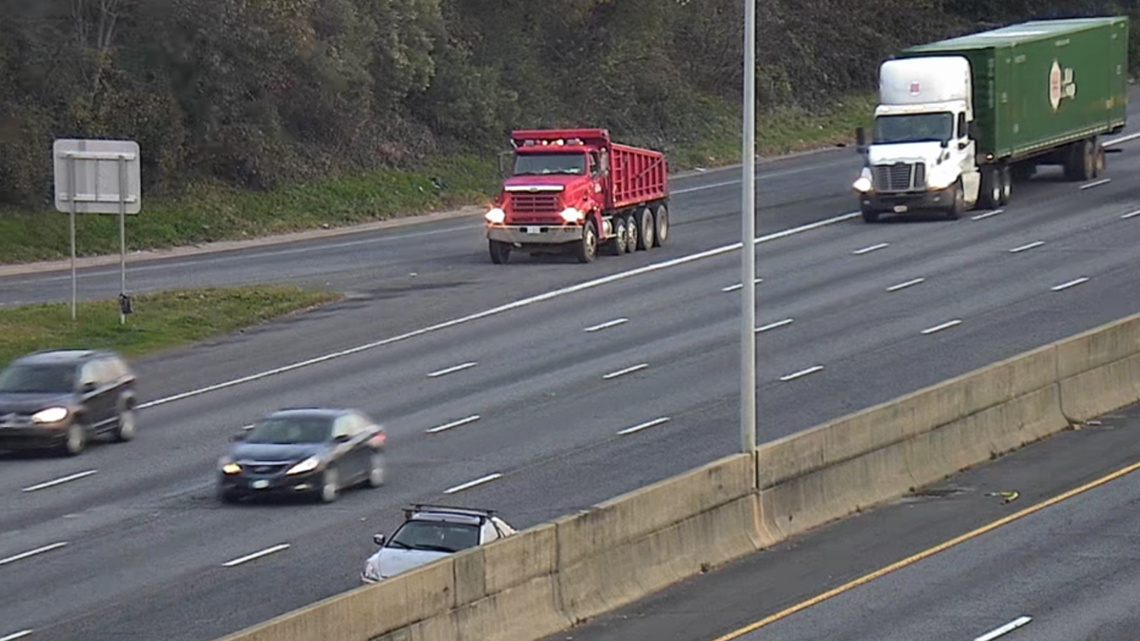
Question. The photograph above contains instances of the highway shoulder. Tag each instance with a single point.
(726, 599)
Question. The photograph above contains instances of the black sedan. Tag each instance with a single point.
(308, 451)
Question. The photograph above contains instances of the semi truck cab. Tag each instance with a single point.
(922, 153)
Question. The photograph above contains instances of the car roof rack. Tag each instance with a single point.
(426, 507)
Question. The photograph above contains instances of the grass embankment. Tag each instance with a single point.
(160, 320)
(210, 212)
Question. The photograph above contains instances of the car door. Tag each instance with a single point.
(94, 393)
(347, 449)
(360, 431)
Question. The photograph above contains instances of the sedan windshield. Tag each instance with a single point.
(38, 379)
(938, 127)
(556, 163)
(435, 536)
(289, 430)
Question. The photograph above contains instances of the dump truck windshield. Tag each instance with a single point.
(544, 164)
(938, 127)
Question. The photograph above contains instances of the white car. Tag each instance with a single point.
(430, 532)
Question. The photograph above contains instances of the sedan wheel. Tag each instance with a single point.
(376, 473)
(330, 486)
(76, 439)
(127, 427)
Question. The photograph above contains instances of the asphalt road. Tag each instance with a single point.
(146, 541)
(1070, 568)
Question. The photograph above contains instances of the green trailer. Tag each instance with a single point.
(1000, 103)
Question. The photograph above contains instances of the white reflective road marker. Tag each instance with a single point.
(732, 288)
(1005, 629)
(453, 424)
(471, 484)
(256, 555)
(1096, 184)
(59, 481)
(1072, 283)
(868, 250)
(31, 553)
(623, 372)
(802, 373)
(777, 324)
(987, 214)
(452, 370)
(644, 426)
(939, 328)
(1018, 250)
(19, 635)
(613, 323)
(1131, 214)
(909, 283)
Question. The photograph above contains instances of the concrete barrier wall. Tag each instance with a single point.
(552, 576)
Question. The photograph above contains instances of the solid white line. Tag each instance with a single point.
(1005, 629)
(613, 323)
(453, 424)
(1017, 250)
(909, 283)
(987, 214)
(30, 553)
(1131, 215)
(939, 328)
(452, 370)
(19, 635)
(868, 250)
(525, 302)
(59, 481)
(1096, 184)
(769, 326)
(802, 373)
(623, 372)
(471, 484)
(1072, 283)
(732, 288)
(256, 555)
(1120, 140)
(644, 426)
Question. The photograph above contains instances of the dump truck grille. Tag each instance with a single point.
(900, 177)
(534, 203)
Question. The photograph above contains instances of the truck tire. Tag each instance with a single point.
(870, 215)
(990, 198)
(1006, 184)
(645, 233)
(632, 233)
(1100, 162)
(587, 248)
(1081, 163)
(955, 211)
(500, 251)
(616, 245)
(661, 221)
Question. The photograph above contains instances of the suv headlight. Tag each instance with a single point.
(306, 465)
(372, 569)
(50, 415)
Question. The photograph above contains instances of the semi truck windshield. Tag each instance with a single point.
(914, 128)
(543, 164)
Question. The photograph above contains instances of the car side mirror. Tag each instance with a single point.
(962, 145)
(378, 539)
(87, 387)
(341, 438)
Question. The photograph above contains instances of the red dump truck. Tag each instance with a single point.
(574, 190)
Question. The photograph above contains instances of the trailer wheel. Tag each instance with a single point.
(661, 219)
(587, 248)
(991, 188)
(500, 251)
(1006, 184)
(645, 237)
(632, 235)
(1081, 163)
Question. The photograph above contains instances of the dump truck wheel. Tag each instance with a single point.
(500, 251)
(632, 237)
(661, 219)
(646, 231)
(587, 248)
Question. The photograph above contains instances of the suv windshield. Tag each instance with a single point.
(281, 430)
(556, 163)
(937, 127)
(435, 536)
(43, 379)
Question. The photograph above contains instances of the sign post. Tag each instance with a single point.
(98, 177)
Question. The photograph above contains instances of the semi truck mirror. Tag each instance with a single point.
(861, 140)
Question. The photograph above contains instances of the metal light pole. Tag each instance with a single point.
(748, 248)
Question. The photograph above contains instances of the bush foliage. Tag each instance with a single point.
(256, 93)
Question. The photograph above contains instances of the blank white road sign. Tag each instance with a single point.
(97, 165)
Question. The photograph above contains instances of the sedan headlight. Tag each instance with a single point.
(230, 469)
(50, 415)
(572, 215)
(496, 216)
(306, 465)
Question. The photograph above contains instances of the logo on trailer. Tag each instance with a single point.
(1061, 85)
(915, 88)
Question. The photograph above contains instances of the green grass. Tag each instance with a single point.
(160, 321)
(211, 211)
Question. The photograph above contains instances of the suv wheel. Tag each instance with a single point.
(127, 427)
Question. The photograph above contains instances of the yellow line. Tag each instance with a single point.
(927, 553)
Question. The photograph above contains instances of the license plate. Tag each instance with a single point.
(532, 230)
(900, 209)
(260, 484)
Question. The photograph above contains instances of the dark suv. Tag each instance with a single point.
(60, 399)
